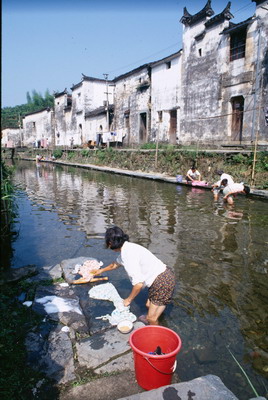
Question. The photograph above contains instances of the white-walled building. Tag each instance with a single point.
(37, 128)
(222, 66)
(166, 99)
(214, 91)
(88, 95)
(132, 105)
(11, 137)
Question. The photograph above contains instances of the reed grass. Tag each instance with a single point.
(244, 372)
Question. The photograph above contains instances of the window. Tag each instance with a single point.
(200, 52)
(238, 45)
(160, 116)
(168, 64)
(126, 120)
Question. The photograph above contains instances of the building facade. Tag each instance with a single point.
(224, 77)
(11, 137)
(213, 91)
(38, 129)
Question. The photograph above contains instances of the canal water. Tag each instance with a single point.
(219, 254)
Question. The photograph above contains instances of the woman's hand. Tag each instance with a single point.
(96, 272)
(126, 302)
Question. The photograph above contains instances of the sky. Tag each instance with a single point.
(48, 45)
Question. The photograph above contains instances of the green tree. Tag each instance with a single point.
(35, 102)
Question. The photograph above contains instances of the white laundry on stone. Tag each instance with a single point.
(107, 291)
(27, 303)
(86, 269)
(55, 304)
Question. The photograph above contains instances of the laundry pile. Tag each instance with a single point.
(107, 291)
(85, 270)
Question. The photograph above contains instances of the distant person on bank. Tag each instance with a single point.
(193, 175)
(143, 269)
(232, 190)
(217, 187)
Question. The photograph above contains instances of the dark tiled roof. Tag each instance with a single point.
(39, 111)
(133, 71)
(188, 19)
(236, 27)
(58, 94)
(166, 59)
(225, 14)
(99, 111)
(148, 65)
(258, 1)
(88, 78)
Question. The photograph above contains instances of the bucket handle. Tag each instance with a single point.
(166, 373)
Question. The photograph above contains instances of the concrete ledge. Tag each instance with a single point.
(208, 387)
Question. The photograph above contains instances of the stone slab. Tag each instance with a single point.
(122, 363)
(106, 388)
(68, 267)
(17, 274)
(74, 318)
(47, 273)
(50, 350)
(208, 387)
(125, 387)
(103, 347)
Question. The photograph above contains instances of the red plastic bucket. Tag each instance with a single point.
(153, 371)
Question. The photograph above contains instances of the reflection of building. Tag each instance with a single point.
(213, 90)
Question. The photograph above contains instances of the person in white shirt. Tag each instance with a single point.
(217, 188)
(230, 191)
(193, 175)
(143, 269)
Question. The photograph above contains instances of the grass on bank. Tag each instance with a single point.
(17, 379)
(170, 160)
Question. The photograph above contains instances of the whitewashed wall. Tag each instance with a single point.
(12, 137)
(92, 126)
(165, 96)
(128, 98)
(37, 127)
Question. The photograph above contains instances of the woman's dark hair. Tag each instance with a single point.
(115, 238)
(224, 182)
(246, 189)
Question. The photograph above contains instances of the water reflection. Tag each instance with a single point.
(219, 254)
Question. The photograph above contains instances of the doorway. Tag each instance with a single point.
(143, 128)
(237, 118)
(173, 126)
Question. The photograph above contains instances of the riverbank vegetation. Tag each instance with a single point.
(17, 379)
(171, 160)
(6, 197)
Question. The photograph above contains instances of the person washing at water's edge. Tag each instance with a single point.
(231, 190)
(143, 269)
(217, 187)
(193, 175)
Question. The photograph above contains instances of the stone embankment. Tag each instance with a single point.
(149, 175)
(86, 356)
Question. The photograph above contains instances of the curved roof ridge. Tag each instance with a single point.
(188, 19)
(225, 14)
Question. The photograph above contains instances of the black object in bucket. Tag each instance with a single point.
(157, 352)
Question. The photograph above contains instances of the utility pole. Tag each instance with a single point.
(257, 84)
(107, 106)
(21, 141)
